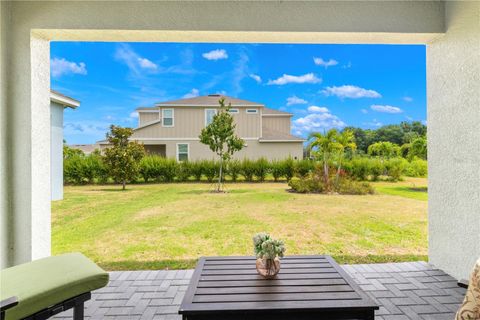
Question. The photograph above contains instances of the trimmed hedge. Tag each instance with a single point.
(82, 169)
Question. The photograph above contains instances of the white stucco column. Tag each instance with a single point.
(56, 150)
(453, 90)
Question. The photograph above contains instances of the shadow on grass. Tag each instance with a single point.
(114, 190)
(418, 189)
(191, 263)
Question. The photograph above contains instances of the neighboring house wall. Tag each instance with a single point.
(453, 88)
(147, 117)
(189, 122)
(253, 150)
(56, 150)
(277, 123)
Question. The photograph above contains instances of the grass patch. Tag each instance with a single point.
(169, 226)
(413, 188)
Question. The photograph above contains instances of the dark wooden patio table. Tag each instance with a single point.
(307, 287)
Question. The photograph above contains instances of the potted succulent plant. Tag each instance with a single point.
(268, 251)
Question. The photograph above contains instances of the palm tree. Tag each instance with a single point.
(346, 140)
(325, 145)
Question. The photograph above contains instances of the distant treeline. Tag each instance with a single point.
(406, 135)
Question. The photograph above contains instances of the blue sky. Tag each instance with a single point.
(324, 86)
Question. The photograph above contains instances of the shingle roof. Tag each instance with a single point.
(274, 135)
(210, 101)
(268, 112)
(146, 108)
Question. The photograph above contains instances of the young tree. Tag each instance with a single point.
(324, 145)
(123, 157)
(220, 136)
(346, 140)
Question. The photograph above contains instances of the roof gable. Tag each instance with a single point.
(210, 100)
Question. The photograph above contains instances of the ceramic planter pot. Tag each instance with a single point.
(268, 268)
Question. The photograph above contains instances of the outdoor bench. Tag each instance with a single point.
(45, 287)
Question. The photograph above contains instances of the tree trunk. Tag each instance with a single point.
(124, 184)
(220, 175)
(338, 173)
(325, 170)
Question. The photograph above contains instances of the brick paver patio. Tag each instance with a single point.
(411, 290)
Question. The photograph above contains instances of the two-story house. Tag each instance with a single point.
(171, 129)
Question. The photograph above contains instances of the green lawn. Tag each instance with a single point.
(163, 226)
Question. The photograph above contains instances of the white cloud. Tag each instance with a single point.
(133, 60)
(147, 64)
(286, 78)
(192, 94)
(256, 77)
(386, 108)
(59, 67)
(134, 114)
(347, 65)
(295, 100)
(215, 54)
(95, 128)
(318, 121)
(315, 109)
(364, 111)
(326, 64)
(349, 91)
(407, 99)
(240, 71)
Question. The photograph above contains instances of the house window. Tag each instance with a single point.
(167, 117)
(233, 111)
(209, 113)
(182, 151)
(251, 111)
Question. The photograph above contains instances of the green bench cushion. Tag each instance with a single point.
(45, 282)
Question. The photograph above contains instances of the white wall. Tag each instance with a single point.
(5, 218)
(56, 150)
(453, 88)
(33, 24)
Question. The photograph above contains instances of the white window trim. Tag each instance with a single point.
(206, 111)
(234, 111)
(256, 111)
(173, 118)
(188, 151)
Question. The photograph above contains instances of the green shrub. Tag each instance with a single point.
(196, 170)
(359, 168)
(348, 186)
(417, 168)
(303, 167)
(234, 169)
(306, 185)
(376, 168)
(81, 169)
(261, 167)
(395, 168)
(289, 167)
(184, 171)
(210, 169)
(311, 184)
(168, 169)
(278, 169)
(150, 167)
(248, 169)
(72, 169)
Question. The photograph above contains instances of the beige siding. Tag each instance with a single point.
(147, 117)
(188, 122)
(281, 124)
(253, 150)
